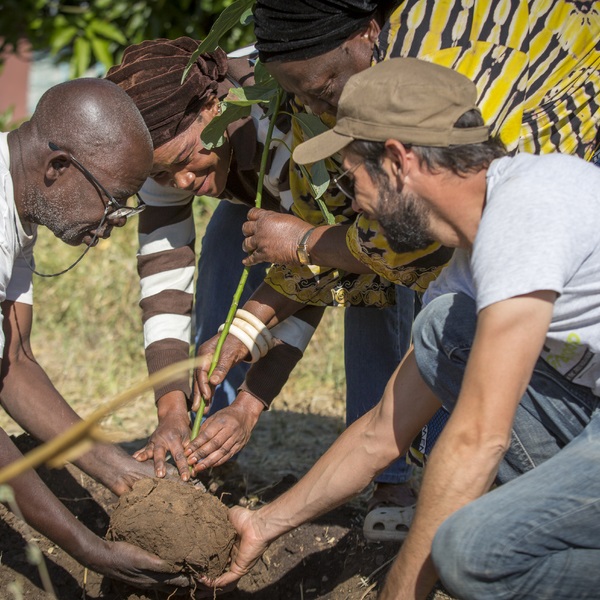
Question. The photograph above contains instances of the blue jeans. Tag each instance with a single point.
(219, 270)
(537, 536)
(375, 342)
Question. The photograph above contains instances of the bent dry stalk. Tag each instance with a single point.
(240, 288)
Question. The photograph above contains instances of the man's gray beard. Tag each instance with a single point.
(404, 219)
(38, 210)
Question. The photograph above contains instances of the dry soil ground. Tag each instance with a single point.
(328, 559)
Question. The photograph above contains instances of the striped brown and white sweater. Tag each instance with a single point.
(166, 256)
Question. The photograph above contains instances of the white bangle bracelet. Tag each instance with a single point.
(256, 336)
(246, 340)
(257, 323)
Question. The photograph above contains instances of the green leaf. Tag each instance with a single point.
(319, 178)
(107, 30)
(227, 20)
(214, 132)
(261, 75)
(311, 124)
(245, 96)
(101, 51)
(82, 54)
(247, 17)
(272, 106)
(61, 38)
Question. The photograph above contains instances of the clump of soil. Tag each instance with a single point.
(182, 524)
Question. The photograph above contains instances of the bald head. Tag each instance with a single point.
(89, 122)
(90, 118)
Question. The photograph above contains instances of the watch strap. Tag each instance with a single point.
(301, 250)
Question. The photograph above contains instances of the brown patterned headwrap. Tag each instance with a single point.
(151, 73)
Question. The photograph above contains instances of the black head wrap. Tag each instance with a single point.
(151, 73)
(300, 29)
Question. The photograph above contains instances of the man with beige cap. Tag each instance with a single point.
(509, 342)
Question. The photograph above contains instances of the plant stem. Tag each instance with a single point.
(240, 288)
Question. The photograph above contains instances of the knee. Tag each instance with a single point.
(464, 553)
(446, 325)
(454, 556)
(428, 334)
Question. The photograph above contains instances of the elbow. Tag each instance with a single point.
(378, 440)
(492, 446)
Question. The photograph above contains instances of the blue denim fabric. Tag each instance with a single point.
(375, 340)
(538, 535)
(219, 271)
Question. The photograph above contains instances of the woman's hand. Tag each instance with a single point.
(272, 237)
(225, 433)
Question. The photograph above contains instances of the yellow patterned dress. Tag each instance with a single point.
(536, 65)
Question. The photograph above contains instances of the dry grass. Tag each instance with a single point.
(87, 335)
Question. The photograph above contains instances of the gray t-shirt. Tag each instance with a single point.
(540, 230)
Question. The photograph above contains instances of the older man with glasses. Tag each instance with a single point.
(42, 183)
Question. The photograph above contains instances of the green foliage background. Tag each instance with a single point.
(84, 33)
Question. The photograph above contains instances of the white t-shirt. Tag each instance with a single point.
(15, 276)
(540, 230)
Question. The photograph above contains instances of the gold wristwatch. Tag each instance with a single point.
(301, 250)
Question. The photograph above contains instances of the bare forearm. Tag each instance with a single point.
(33, 402)
(456, 474)
(342, 472)
(43, 511)
(363, 450)
(327, 247)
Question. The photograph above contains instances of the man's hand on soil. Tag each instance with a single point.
(247, 549)
(225, 433)
(128, 563)
(112, 467)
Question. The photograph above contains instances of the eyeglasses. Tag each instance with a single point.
(118, 210)
(346, 186)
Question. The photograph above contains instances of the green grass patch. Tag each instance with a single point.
(87, 334)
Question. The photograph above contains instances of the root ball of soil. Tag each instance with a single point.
(182, 524)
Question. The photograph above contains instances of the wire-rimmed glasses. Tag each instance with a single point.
(345, 183)
(118, 210)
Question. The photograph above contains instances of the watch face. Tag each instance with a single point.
(302, 255)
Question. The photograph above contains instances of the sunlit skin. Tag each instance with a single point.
(366, 194)
(406, 172)
(75, 214)
(121, 195)
(185, 163)
(318, 82)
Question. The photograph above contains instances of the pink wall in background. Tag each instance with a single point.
(14, 82)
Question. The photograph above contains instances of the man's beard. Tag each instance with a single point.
(404, 219)
(37, 209)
